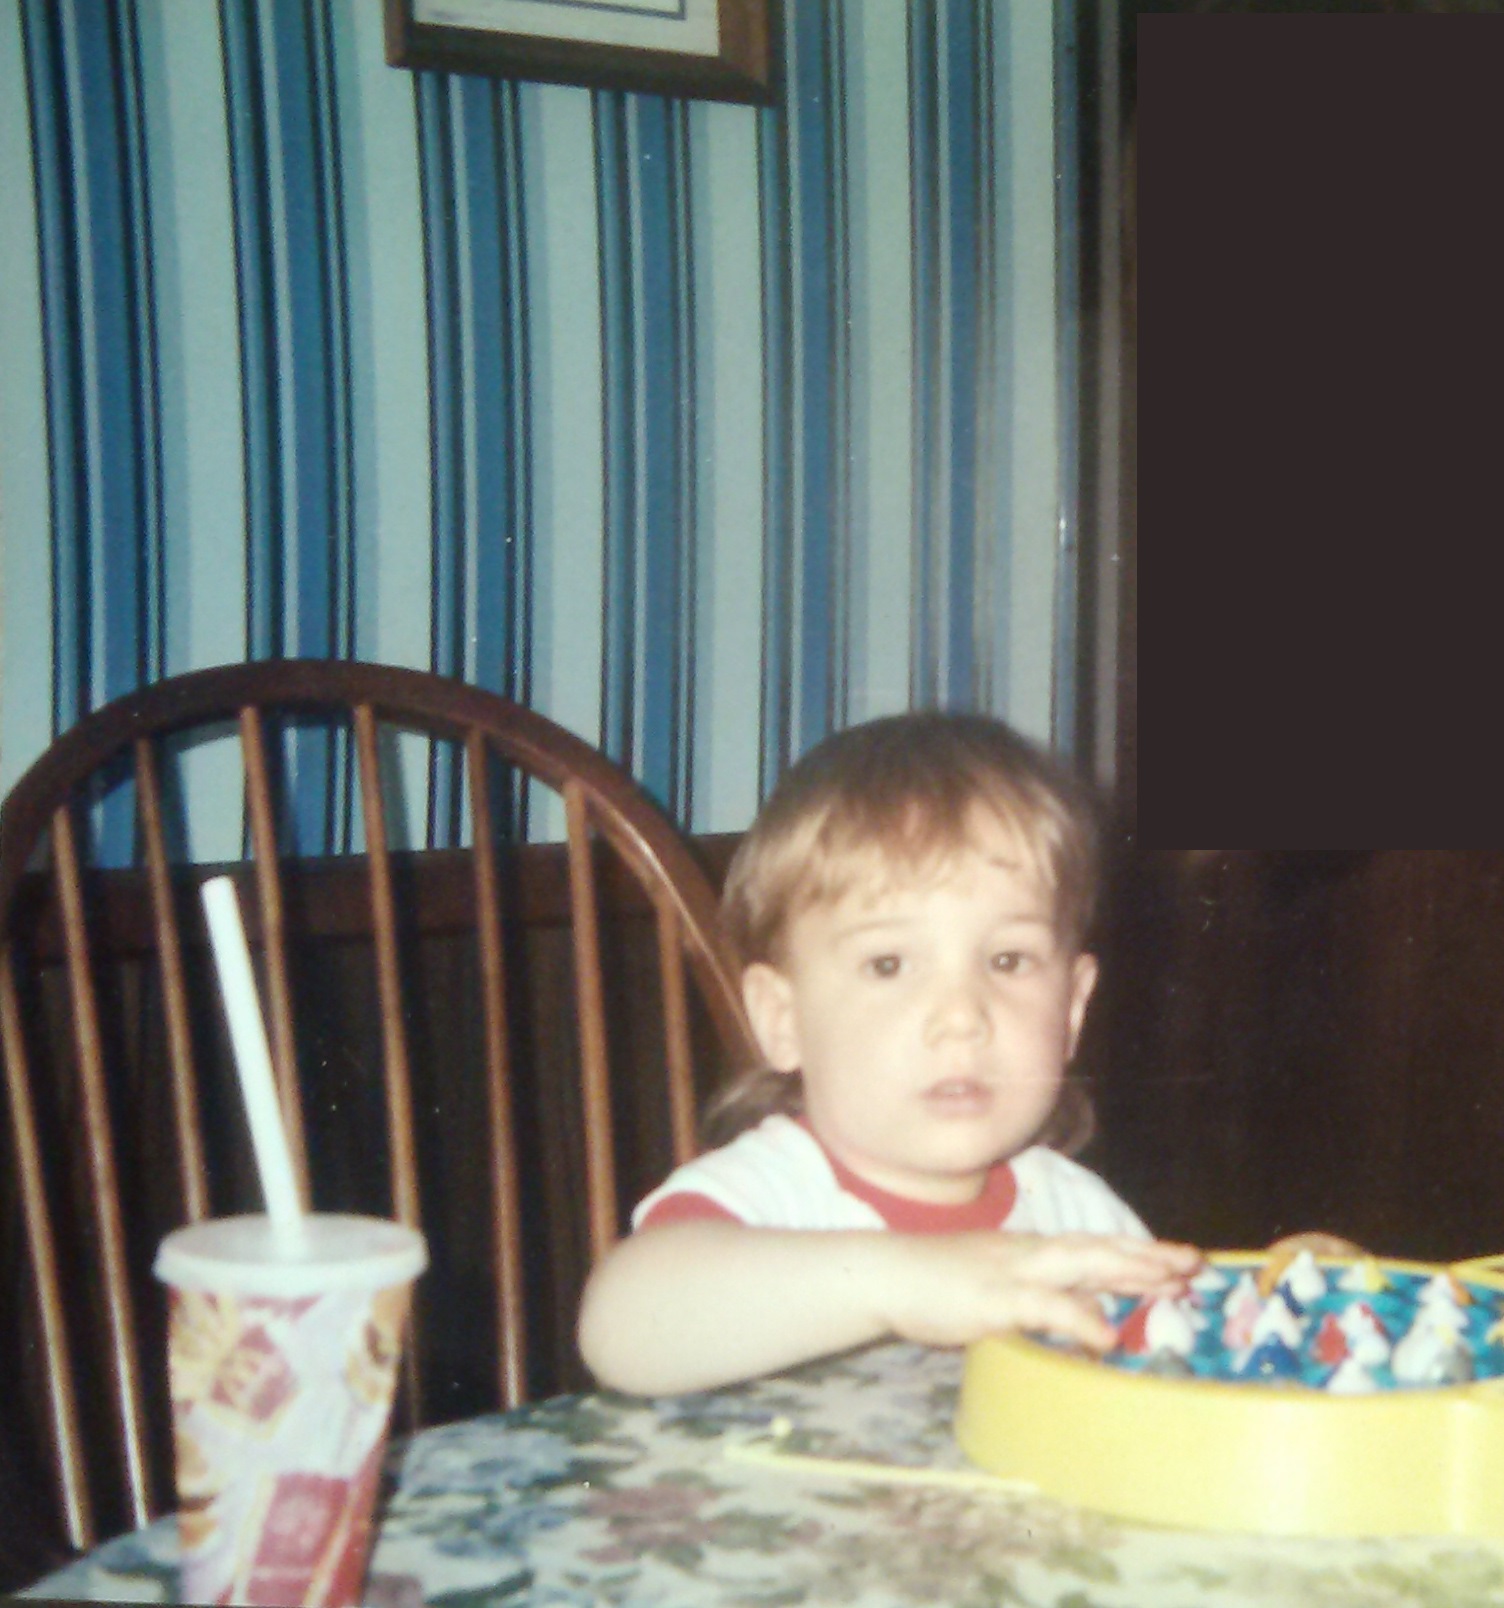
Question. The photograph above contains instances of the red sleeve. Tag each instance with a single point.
(685, 1206)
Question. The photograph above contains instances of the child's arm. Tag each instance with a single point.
(689, 1306)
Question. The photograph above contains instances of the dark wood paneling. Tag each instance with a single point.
(1292, 1040)
(330, 898)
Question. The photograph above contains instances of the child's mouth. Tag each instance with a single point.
(959, 1097)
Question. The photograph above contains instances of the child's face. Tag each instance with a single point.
(932, 1018)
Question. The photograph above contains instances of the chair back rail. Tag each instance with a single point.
(604, 812)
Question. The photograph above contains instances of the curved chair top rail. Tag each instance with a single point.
(442, 705)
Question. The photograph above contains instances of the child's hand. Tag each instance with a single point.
(694, 1305)
(1283, 1251)
(1317, 1242)
(951, 1289)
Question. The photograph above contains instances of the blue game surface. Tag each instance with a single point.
(1396, 1308)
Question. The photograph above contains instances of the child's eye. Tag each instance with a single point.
(1012, 961)
(883, 965)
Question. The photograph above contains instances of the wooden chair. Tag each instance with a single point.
(121, 1105)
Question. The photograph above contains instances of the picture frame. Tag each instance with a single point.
(703, 49)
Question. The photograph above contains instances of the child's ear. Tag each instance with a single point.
(769, 998)
(1084, 970)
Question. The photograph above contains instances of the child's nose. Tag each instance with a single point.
(959, 1009)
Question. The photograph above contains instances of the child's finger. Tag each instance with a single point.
(1171, 1254)
(1055, 1312)
(1125, 1265)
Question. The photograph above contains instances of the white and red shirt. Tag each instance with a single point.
(779, 1175)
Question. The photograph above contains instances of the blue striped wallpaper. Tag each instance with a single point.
(702, 428)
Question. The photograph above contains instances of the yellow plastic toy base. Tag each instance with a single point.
(1273, 1459)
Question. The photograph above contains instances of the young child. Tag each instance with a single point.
(910, 908)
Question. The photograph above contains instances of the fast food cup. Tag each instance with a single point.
(282, 1354)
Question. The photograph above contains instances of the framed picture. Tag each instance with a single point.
(708, 49)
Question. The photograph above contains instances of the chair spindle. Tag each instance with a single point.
(511, 1317)
(678, 1052)
(401, 1146)
(185, 1109)
(99, 1149)
(62, 1403)
(398, 1080)
(595, 1088)
(274, 939)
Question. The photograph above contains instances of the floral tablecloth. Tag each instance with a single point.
(747, 1497)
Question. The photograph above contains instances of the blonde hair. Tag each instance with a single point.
(898, 797)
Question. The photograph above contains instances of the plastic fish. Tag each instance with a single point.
(1240, 1312)
(1330, 1346)
(1444, 1290)
(1364, 1277)
(1351, 1379)
(1425, 1355)
(1168, 1328)
(1272, 1360)
(1367, 1338)
(1279, 1320)
(1210, 1282)
(1303, 1280)
(1446, 1323)
(1133, 1340)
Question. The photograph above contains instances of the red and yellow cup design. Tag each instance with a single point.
(281, 1397)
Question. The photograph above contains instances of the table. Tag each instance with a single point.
(729, 1498)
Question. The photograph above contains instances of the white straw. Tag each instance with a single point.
(253, 1059)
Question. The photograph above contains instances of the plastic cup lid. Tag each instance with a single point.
(247, 1255)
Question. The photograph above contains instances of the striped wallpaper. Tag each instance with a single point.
(704, 429)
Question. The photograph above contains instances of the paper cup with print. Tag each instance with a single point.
(283, 1355)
